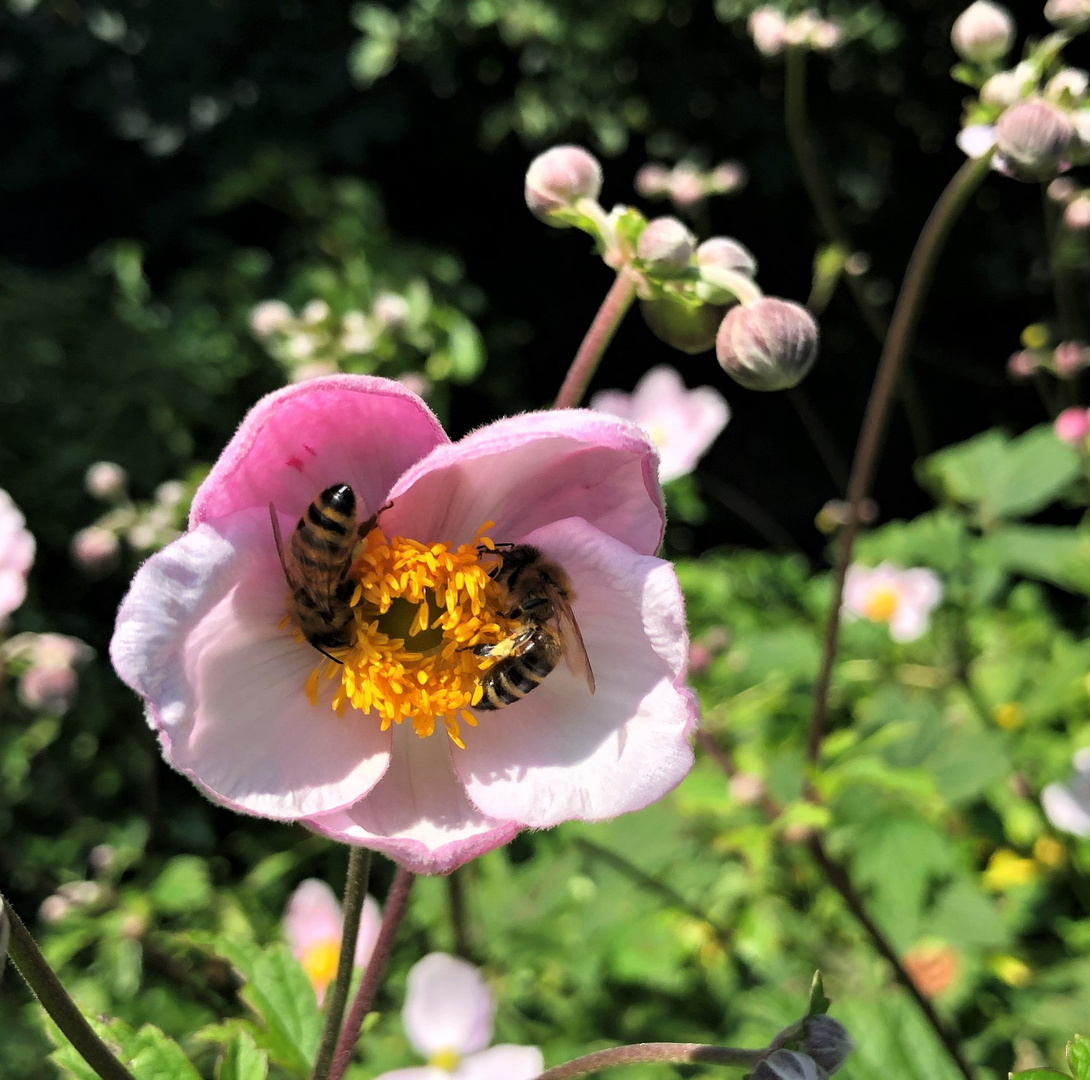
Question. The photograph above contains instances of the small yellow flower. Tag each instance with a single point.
(1010, 715)
(1011, 970)
(1007, 870)
(1050, 852)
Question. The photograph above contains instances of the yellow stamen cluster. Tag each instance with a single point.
(319, 961)
(881, 604)
(419, 610)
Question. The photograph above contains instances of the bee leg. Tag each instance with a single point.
(328, 657)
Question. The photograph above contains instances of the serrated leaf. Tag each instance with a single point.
(183, 885)
(1078, 1057)
(242, 1060)
(1056, 555)
(158, 1057)
(278, 990)
(819, 1003)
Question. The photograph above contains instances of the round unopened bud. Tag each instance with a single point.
(1022, 364)
(95, 549)
(827, 1041)
(768, 29)
(690, 328)
(270, 316)
(1062, 190)
(1070, 15)
(767, 345)
(652, 180)
(105, 480)
(47, 689)
(787, 1065)
(560, 177)
(688, 186)
(1034, 138)
(727, 176)
(983, 32)
(1069, 358)
(314, 312)
(1004, 88)
(1072, 426)
(727, 254)
(1077, 212)
(666, 246)
(391, 310)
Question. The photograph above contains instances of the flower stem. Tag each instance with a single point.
(459, 913)
(43, 981)
(397, 903)
(618, 300)
(355, 891)
(906, 314)
(668, 1053)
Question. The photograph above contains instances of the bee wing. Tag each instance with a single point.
(280, 546)
(571, 639)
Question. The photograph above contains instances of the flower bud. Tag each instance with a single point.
(727, 176)
(665, 246)
(560, 177)
(1004, 88)
(50, 690)
(687, 186)
(690, 328)
(1072, 426)
(95, 550)
(1069, 358)
(270, 316)
(391, 310)
(1034, 138)
(1070, 15)
(827, 1041)
(787, 1065)
(1071, 83)
(314, 312)
(727, 254)
(105, 480)
(1077, 212)
(652, 180)
(1022, 364)
(1062, 190)
(767, 345)
(982, 33)
(767, 28)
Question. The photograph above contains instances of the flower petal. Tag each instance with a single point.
(1066, 810)
(197, 637)
(313, 915)
(448, 1006)
(503, 1062)
(418, 814)
(416, 1072)
(344, 429)
(370, 925)
(560, 753)
(526, 471)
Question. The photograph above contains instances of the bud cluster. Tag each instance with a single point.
(686, 185)
(773, 32)
(1034, 117)
(1064, 361)
(692, 296)
(45, 666)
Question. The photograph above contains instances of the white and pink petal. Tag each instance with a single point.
(448, 1006)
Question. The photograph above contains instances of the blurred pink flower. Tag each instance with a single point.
(682, 423)
(1067, 804)
(16, 555)
(890, 594)
(448, 1020)
(313, 923)
(48, 682)
(266, 725)
(1072, 426)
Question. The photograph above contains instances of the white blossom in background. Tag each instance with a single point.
(16, 555)
(448, 1020)
(682, 423)
(1067, 804)
(903, 598)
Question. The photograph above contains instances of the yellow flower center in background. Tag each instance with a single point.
(419, 609)
(320, 963)
(881, 603)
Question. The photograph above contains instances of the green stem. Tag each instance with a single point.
(355, 892)
(618, 300)
(397, 903)
(667, 1053)
(43, 981)
(459, 913)
(906, 314)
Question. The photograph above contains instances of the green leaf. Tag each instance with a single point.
(1056, 555)
(1001, 478)
(1078, 1057)
(819, 1003)
(278, 990)
(182, 886)
(242, 1060)
(157, 1057)
(1040, 1074)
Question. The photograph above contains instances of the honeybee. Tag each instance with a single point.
(539, 600)
(316, 566)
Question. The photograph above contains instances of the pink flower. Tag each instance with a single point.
(1072, 426)
(448, 1019)
(889, 594)
(1067, 804)
(16, 555)
(682, 423)
(48, 682)
(264, 723)
(313, 923)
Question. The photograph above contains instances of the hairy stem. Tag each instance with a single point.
(459, 913)
(355, 891)
(397, 903)
(43, 981)
(668, 1053)
(906, 314)
(618, 300)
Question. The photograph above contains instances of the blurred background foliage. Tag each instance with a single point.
(166, 168)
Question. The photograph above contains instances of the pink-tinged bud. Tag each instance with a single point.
(1034, 138)
(391, 310)
(53, 909)
(1069, 358)
(982, 33)
(95, 550)
(560, 177)
(691, 329)
(827, 1041)
(1072, 426)
(787, 1065)
(746, 789)
(652, 180)
(105, 480)
(726, 254)
(1022, 364)
(316, 311)
(1077, 213)
(50, 690)
(768, 29)
(1004, 88)
(1068, 83)
(767, 345)
(726, 177)
(1070, 15)
(1062, 190)
(270, 316)
(665, 246)
(687, 186)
